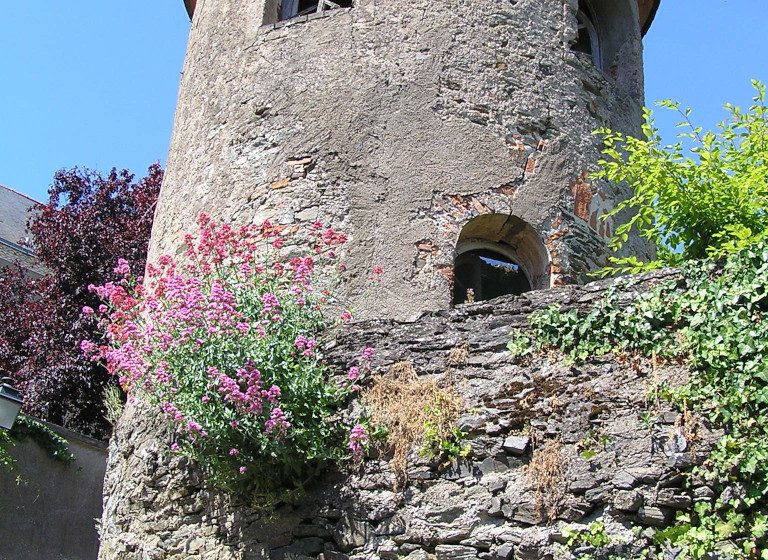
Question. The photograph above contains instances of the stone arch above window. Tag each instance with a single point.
(498, 254)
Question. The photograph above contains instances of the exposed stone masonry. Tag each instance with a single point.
(402, 123)
(494, 505)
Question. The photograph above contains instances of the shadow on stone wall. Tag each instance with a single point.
(54, 511)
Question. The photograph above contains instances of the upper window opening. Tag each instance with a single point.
(482, 274)
(293, 8)
(587, 39)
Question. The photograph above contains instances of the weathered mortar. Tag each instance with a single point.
(156, 508)
(399, 122)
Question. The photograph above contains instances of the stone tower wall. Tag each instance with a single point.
(399, 122)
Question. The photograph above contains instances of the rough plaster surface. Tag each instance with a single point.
(485, 507)
(53, 511)
(399, 122)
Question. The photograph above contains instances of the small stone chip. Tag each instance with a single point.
(627, 500)
(455, 552)
(282, 183)
(653, 516)
(505, 552)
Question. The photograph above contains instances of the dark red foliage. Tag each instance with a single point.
(89, 222)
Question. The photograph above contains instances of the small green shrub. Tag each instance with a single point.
(592, 443)
(440, 445)
(593, 534)
(52, 443)
(113, 404)
(708, 203)
(6, 460)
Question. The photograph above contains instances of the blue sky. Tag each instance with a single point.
(88, 83)
(93, 83)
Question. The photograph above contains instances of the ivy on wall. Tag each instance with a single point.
(55, 446)
(715, 319)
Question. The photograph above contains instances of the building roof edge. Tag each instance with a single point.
(647, 9)
(190, 6)
(14, 191)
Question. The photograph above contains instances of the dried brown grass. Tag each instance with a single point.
(546, 473)
(404, 404)
(458, 355)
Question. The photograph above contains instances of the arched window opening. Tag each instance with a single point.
(587, 38)
(294, 8)
(496, 255)
(482, 274)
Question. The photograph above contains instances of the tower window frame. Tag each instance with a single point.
(290, 9)
(587, 34)
(477, 262)
(493, 242)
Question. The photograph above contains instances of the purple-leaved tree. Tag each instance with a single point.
(89, 222)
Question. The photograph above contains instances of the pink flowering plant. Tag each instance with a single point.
(224, 344)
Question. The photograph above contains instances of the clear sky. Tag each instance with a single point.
(93, 83)
(88, 83)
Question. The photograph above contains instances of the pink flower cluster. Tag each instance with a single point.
(277, 422)
(231, 283)
(358, 440)
(306, 345)
(302, 269)
(364, 364)
(245, 392)
(123, 268)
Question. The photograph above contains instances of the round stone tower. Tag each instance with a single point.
(451, 141)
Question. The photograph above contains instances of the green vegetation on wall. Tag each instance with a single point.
(706, 213)
(716, 320)
(705, 195)
(25, 427)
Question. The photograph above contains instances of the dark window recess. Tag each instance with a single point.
(487, 274)
(293, 8)
(587, 40)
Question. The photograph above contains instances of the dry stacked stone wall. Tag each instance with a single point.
(528, 424)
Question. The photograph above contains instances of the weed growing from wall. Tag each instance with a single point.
(715, 319)
(225, 344)
(113, 404)
(545, 474)
(414, 412)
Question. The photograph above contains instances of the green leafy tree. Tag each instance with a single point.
(705, 195)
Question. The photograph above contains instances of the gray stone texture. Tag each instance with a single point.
(156, 506)
(414, 126)
(399, 122)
